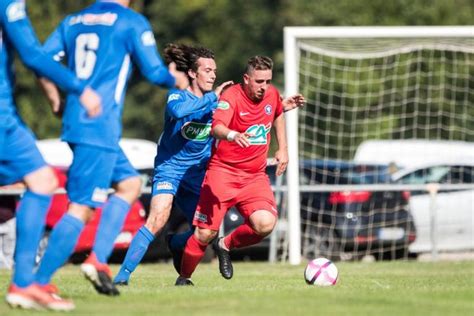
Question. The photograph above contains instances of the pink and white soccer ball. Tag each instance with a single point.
(321, 272)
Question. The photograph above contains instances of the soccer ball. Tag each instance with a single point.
(321, 272)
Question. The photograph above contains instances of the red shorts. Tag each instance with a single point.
(220, 191)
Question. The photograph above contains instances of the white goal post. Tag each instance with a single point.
(406, 39)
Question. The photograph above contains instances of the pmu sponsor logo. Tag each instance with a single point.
(100, 195)
(258, 134)
(196, 131)
(94, 19)
(200, 217)
(223, 105)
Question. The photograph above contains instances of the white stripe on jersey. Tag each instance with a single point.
(122, 79)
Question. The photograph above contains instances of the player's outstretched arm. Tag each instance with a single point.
(281, 155)
(20, 33)
(293, 102)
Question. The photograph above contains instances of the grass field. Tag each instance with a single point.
(387, 288)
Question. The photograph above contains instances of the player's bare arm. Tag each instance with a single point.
(293, 102)
(52, 94)
(281, 155)
(223, 132)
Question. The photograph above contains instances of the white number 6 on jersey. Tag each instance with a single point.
(85, 57)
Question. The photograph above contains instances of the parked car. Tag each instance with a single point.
(347, 224)
(454, 208)
(409, 153)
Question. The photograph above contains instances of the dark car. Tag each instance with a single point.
(344, 224)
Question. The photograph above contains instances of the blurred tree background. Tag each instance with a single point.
(234, 29)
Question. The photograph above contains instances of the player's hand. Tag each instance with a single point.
(58, 108)
(180, 77)
(242, 139)
(281, 157)
(293, 102)
(91, 102)
(222, 87)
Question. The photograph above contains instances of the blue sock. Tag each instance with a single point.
(60, 246)
(30, 222)
(135, 253)
(111, 222)
(179, 241)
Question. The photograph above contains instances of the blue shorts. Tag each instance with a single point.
(185, 188)
(93, 171)
(19, 155)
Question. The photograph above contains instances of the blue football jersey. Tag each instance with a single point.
(100, 44)
(185, 144)
(17, 34)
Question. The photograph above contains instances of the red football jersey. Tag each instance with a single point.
(239, 113)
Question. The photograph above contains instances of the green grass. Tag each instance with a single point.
(386, 288)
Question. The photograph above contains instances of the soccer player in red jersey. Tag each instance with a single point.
(236, 171)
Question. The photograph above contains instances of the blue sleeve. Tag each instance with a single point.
(145, 54)
(20, 33)
(178, 106)
(54, 44)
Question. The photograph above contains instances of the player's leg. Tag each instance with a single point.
(20, 159)
(88, 182)
(186, 200)
(216, 197)
(127, 189)
(193, 253)
(257, 205)
(160, 208)
(62, 241)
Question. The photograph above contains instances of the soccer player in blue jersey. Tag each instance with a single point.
(99, 43)
(19, 157)
(183, 151)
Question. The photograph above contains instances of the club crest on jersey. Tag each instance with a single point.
(259, 134)
(223, 105)
(268, 109)
(16, 11)
(196, 131)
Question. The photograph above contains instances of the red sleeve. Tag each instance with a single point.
(224, 112)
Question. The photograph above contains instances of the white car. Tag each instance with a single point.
(454, 208)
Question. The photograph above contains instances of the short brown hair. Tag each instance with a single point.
(259, 63)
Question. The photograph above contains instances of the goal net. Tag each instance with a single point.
(411, 87)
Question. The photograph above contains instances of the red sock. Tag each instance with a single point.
(193, 253)
(243, 236)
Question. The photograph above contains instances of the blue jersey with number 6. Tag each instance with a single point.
(100, 44)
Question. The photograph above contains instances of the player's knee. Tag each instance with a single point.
(42, 181)
(129, 189)
(205, 235)
(264, 223)
(82, 212)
